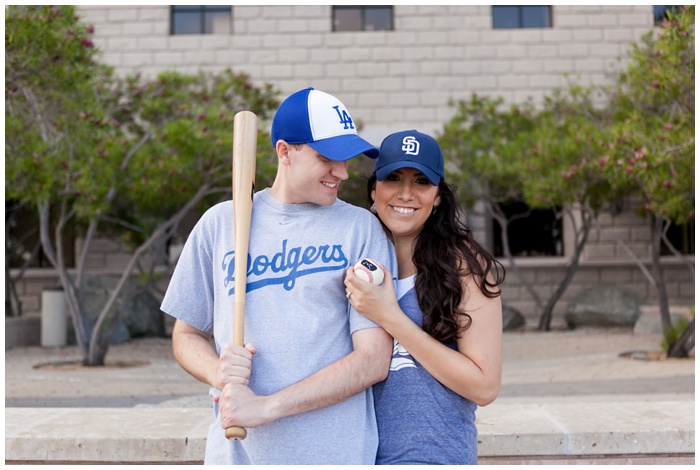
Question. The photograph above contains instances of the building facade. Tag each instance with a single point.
(399, 67)
(390, 79)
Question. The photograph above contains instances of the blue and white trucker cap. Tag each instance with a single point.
(320, 120)
(410, 149)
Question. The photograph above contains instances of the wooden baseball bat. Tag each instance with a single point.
(245, 139)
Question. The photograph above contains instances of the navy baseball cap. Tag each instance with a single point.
(320, 120)
(410, 149)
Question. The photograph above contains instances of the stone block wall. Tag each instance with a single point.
(391, 80)
(545, 275)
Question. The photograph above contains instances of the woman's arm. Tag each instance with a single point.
(474, 370)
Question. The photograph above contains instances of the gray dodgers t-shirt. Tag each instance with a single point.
(297, 316)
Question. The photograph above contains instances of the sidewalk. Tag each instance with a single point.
(557, 366)
(546, 378)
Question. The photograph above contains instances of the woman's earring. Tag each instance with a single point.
(436, 204)
(373, 209)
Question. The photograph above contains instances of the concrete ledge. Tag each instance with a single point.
(561, 433)
(106, 435)
(611, 432)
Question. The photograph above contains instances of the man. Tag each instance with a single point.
(300, 386)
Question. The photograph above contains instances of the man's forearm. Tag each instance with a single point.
(195, 354)
(331, 385)
(365, 366)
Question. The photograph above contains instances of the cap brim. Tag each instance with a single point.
(387, 169)
(344, 147)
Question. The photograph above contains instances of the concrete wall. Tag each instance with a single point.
(680, 285)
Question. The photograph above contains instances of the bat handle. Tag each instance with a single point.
(234, 432)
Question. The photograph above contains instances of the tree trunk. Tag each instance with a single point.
(503, 222)
(656, 235)
(548, 311)
(69, 287)
(102, 331)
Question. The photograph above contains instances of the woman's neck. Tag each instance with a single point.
(404, 256)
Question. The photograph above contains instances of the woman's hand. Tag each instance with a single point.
(378, 303)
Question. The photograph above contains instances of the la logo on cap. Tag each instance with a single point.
(328, 117)
(410, 145)
(345, 118)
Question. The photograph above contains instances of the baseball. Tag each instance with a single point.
(369, 270)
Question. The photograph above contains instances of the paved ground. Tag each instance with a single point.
(557, 366)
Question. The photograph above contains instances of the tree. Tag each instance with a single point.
(126, 157)
(539, 157)
(652, 146)
(559, 171)
(50, 64)
(586, 147)
(481, 144)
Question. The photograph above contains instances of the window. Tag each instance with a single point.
(363, 18)
(530, 232)
(200, 19)
(681, 237)
(661, 12)
(514, 16)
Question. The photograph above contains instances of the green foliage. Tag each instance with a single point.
(187, 124)
(483, 147)
(672, 334)
(562, 159)
(128, 150)
(48, 41)
(50, 70)
(120, 156)
(652, 142)
(589, 145)
(545, 157)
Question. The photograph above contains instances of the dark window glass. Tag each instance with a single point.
(347, 19)
(200, 19)
(535, 17)
(517, 16)
(681, 237)
(661, 12)
(530, 232)
(506, 17)
(378, 19)
(187, 23)
(363, 18)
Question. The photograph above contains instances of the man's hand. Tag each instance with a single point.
(239, 406)
(235, 363)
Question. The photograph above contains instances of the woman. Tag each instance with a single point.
(447, 321)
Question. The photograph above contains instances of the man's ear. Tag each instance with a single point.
(282, 149)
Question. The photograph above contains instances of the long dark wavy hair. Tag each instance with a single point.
(445, 252)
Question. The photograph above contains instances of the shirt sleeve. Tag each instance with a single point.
(382, 250)
(190, 296)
